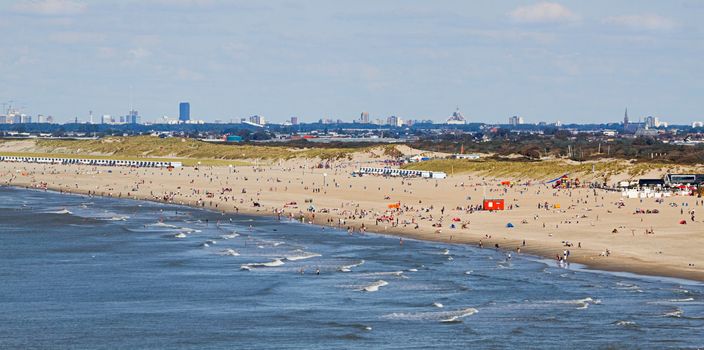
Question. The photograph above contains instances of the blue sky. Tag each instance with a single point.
(575, 61)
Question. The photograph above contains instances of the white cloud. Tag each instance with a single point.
(642, 22)
(543, 12)
(51, 7)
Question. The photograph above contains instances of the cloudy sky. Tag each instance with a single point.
(575, 61)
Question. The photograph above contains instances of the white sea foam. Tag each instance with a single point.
(374, 286)
(439, 316)
(230, 236)
(119, 218)
(582, 303)
(301, 255)
(438, 305)
(161, 224)
(681, 300)
(446, 252)
(348, 268)
(624, 323)
(677, 313)
(468, 272)
(412, 270)
(273, 263)
(230, 252)
(384, 273)
(62, 211)
(180, 235)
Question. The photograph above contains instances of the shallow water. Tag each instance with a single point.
(99, 273)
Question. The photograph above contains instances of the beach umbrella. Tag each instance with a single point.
(683, 222)
(509, 225)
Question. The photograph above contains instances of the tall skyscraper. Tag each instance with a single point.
(184, 111)
(294, 120)
(515, 120)
(364, 118)
(132, 117)
(625, 119)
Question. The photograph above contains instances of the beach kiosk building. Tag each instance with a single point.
(493, 204)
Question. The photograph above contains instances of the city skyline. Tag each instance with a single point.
(544, 61)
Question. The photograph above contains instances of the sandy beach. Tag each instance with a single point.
(598, 228)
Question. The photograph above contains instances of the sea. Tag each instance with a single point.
(80, 272)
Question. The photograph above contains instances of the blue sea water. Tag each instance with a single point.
(96, 273)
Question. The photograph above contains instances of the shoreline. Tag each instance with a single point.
(638, 269)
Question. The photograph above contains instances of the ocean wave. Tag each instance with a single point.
(229, 252)
(301, 255)
(230, 236)
(681, 300)
(180, 235)
(374, 286)
(582, 303)
(62, 211)
(348, 268)
(438, 305)
(624, 323)
(273, 263)
(446, 252)
(161, 224)
(439, 316)
(676, 313)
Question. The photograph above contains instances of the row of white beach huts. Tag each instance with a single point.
(95, 162)
(401, 172)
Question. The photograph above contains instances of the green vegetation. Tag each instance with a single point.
(562, 144)
(539, 169)
(150, 147)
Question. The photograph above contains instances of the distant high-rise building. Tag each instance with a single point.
(294, 120)
(184, 111)
(456, 118)
(364, 118)
(515, 120)
(132, 117)
(394, 121)
(625, 119)
(257, 119)
(652, 122)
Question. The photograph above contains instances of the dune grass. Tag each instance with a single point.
(148, 146)
(541, 169)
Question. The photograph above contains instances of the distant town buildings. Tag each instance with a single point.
(515, 120)
(257, 120)
(294, 120)
(394, 121)
(184, 112)
(698, 124)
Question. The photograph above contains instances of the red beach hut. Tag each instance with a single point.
(493, 204)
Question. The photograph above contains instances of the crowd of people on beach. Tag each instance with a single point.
(392, 207)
